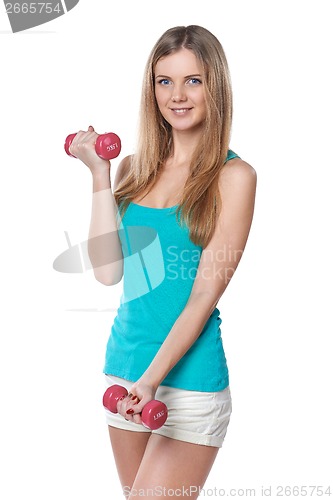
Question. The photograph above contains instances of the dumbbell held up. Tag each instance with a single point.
(107, 147)
(153, 415)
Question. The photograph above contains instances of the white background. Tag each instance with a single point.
(86, 68)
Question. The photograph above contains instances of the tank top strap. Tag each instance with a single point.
(231, 154)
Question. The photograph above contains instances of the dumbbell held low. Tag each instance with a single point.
(108, 146)
(153, 415)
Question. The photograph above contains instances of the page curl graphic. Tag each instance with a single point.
(24, 15)
(142, 256)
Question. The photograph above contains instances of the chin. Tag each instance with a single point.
(195, 127)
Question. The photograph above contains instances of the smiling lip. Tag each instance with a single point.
(180, 111)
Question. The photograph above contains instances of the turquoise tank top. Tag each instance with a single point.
(160, 264)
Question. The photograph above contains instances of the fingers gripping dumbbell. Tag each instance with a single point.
(107, 146)
(153, 415)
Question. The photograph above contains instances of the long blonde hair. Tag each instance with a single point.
(201, 201)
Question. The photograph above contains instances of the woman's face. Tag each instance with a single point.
(179, 90)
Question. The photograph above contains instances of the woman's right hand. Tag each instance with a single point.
(83, 147)
(140, 393)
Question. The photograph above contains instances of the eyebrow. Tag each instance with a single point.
(188, 76)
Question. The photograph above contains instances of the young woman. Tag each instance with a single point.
(193, 198)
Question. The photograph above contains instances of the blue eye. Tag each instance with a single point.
(194, 81)
(164, 81)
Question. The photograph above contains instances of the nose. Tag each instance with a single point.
(178, 94)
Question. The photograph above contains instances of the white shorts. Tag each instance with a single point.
(193, 416)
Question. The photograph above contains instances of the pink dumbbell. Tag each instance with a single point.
(107, 146)
(153, 415)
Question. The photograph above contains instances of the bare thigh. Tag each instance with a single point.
(176, 465)
(128, 449)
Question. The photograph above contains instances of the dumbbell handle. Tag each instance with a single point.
(153, 415)
(108, 146)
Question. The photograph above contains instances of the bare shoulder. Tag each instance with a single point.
(122, 170)
(238, 168)
(237, 172)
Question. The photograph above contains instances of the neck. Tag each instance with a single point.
(184, 144)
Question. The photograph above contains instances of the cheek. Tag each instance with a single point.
(158, 101)
(158, 97)
(197, 97)
(202, 103)
(163, 94)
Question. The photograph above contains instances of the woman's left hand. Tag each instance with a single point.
(139, 394)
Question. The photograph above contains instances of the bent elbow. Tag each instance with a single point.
(107, 281)
(109, 275)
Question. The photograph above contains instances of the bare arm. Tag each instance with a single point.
(104, 246)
